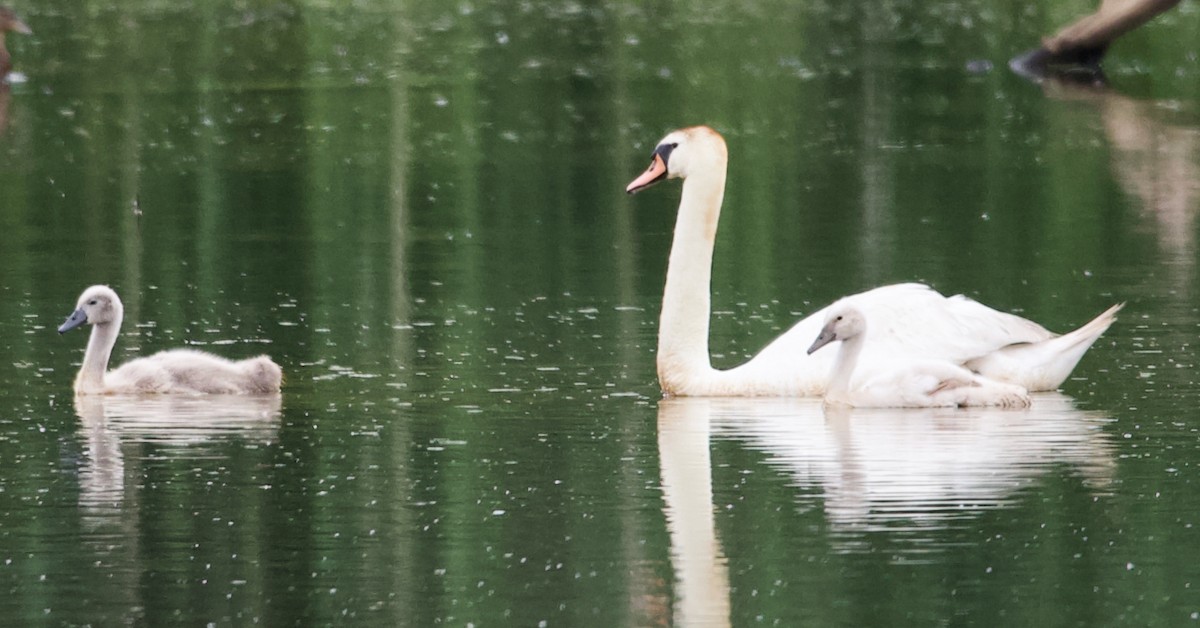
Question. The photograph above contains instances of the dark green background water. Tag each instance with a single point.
(417, 208)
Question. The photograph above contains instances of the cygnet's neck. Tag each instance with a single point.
(95, 359)
(683, 361)
(843, 366)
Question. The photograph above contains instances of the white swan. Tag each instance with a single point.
(902, 382)
(175, 371)
(920, 320)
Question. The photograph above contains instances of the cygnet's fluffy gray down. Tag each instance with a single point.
(169, 372)
(902, 381)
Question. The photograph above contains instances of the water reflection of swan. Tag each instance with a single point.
(925, 465)
(186, 424)
(871, 469)
(701, 573)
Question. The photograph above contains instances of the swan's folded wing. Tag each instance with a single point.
(914, 320)
(955, 329)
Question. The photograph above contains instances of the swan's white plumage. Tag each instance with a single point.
(167, 372)
(1044, 365)
(898, 381)
(914, 317)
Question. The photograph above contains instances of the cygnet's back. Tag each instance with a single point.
(192, 371)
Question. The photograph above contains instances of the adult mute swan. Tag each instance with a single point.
(920, 321)
(902, 382)
(174, 371)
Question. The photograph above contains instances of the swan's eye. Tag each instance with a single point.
(674, 144)
(92, 302)
(840, 318)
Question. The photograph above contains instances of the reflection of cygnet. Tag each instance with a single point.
(102, 476)
(175, 371)
(902, 382)
(182, 421)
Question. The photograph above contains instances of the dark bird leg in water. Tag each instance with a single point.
(1074, 53)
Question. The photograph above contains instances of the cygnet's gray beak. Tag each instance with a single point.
(77, 318)
(825, 337)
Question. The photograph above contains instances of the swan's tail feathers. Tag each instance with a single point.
(1045, 365)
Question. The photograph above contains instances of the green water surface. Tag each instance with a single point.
(417, 209)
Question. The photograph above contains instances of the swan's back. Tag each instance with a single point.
(914, 319)
(192, 371)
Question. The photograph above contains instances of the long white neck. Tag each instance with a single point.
(95, 359)
(683, 362)
(843, 367)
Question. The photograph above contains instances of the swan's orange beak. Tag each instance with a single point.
(655, 173)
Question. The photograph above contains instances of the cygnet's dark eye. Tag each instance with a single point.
(92, 302)
(839, 318)
(674, 144)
